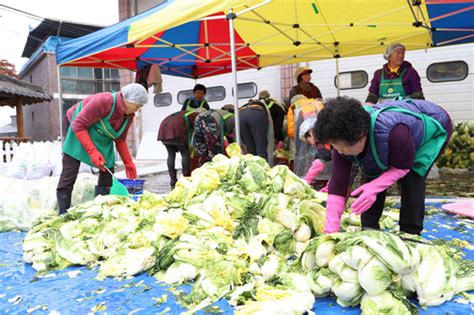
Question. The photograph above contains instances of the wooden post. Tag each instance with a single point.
(19, 118)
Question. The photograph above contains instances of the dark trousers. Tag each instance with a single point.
(69, 175)
(253, 130)
(412, 210)
(71, 169)
(185, 156)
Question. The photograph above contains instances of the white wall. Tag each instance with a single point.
(152, 116)
(456, 97)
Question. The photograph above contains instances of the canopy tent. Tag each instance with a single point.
(192, 38)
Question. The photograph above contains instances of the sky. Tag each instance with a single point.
(14, 25)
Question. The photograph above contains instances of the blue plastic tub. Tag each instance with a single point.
(134, 186)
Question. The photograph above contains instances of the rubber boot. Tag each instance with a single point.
(64, 201)
(185, 173)
(173, 178)
(102, 190)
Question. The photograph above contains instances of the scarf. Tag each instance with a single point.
(305, 86)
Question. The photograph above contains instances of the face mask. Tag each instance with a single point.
(312, 150)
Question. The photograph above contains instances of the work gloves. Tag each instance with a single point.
(130, 169)
(368, 192)
(335, 205)
(316, 167)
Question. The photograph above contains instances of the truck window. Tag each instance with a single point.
(162, 99)
(352, 80)
(447, 71)
(246, 90)
(213, 94)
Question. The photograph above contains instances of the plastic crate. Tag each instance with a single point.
(134, 186)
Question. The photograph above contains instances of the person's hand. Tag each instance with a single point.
(325, 189)
(130, 170)
(98, 160)
(280, 145)
(368, 192)
(335, 205)
(367, 196)
(316, 167)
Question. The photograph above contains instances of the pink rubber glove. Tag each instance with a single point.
(325, 189)
(280, 145)
(368, 192)
(334, 207)
(316, 167)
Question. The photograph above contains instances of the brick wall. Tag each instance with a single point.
(40, 118)
(124, 9)
(54, 117)
(287, 80)
(135, 132)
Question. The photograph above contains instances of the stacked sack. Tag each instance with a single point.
(37, 160)
(28, 185)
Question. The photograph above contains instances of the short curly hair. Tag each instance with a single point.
(199, 87)
(342, 119)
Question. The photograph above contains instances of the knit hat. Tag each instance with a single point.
(302, 70)
(391, 49)
(306, 126)
(263, 94)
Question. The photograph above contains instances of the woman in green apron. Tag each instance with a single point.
(396, 79)
(92, 126)
(394, 141)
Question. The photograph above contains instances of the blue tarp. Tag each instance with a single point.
(67, 293)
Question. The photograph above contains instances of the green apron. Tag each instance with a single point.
(433, 139)
(191, 109)
(224, 131)
(391, 88)
(102, 135)
(273, 102)
(189, 127)
(270, 104)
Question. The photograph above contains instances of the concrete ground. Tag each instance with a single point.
(154, 172)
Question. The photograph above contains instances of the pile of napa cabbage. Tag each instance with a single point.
(240, 230)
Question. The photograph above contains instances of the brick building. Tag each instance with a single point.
(42, 120)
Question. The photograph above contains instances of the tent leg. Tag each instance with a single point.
(231, 18)
(337, 77)
(60, 105)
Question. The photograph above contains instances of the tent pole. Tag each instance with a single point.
(231, 16)
(60, 105)
(337, 77)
